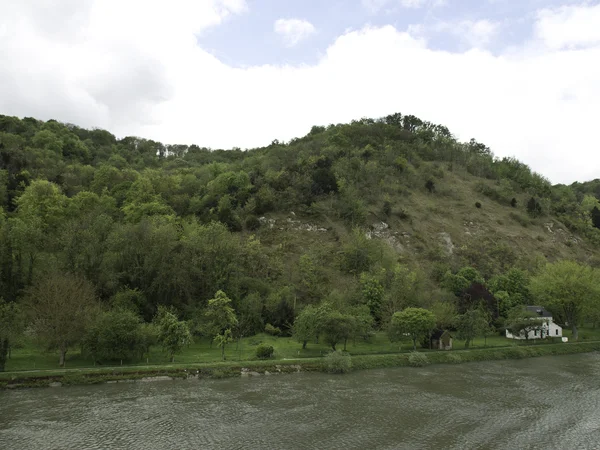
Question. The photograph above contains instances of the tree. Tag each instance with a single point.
(338, 327)
(533, 207)
(567, 288)
(220, 315)
(471, 324)
(595, 213)
(373, 294)
(173, 334)
(417, 322)
(306, 325)
(116, 335)
(11, 326)
(60, 307)
(520, 321)
(222, 340)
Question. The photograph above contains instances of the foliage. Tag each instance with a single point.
(417, 322)
(116, 335)
(471, 324)
(567, 288)
(417, 359)
(338, 362)
(60, 308)
(273, 331)
(11, 326)
(264, 351)
(173, 334)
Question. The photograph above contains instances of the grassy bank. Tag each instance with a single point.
(226, 369)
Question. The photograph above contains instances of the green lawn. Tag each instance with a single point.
(29, 357)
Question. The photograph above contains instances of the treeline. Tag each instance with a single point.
(151, 228)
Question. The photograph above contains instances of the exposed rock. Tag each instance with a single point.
(55, 384)
(447, 241)
(157, 378)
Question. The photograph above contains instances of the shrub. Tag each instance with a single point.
(513, 202)
(387, 208)
(453, 358)
(524, 221)
(338, 362)
(264, 351)
(477, 205)
(252, 223)
(273, 331)
(430, 186)
(417, 359)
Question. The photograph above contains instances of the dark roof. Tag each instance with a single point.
(538, 310)
(438, 334)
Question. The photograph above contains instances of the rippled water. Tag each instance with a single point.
(536, 403)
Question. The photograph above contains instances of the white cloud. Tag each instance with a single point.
(569, 27)
(139, 71)
(293, 30)
(478, 33)
(374, 6)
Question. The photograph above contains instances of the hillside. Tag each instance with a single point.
(395, 203)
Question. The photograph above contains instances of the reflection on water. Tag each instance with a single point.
(534, 403)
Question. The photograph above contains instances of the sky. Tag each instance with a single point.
(521, 76)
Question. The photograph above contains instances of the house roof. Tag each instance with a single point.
(538, 310)
(438, 334)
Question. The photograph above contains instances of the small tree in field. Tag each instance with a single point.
(173, 334)
(471, 324)
(222, 340)
(417, 322)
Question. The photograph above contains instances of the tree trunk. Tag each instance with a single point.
(3, 353)
(333, 347)
(468, 343)
(414, 343)
(223, 352)
(304, 344)
(345, 341)
(61, 357)
(575, 332)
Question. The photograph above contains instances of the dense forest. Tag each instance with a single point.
(334, 233)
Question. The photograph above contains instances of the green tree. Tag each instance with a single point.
(173, 334)
(11, 326)
(521, 322)
(338, 327)
(416, 322)
(567, 288)
(60, 307)
(373, 294)
(222, 340)
(116, 335)
(471, 324)
(220, 314)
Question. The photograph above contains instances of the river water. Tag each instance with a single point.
(538, 403)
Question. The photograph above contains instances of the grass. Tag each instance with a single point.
(31, 358)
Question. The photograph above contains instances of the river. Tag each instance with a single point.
(537, 403)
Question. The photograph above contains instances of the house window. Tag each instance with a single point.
(556, 332)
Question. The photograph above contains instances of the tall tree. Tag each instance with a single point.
(11, 326)
(60, 307)
(173, 334)
(567, 288)
(417, 322)
(470, 325)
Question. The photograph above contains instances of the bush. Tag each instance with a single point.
(252, 223)
(387, 208)
(417, 359)
(338, 362)
(477, 205)
(264, 351)
(273, 331)
(453, 358)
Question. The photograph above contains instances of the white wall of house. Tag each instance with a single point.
(547, 329)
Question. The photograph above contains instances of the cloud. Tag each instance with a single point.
(374, 6)
(569, 27)
(472, 33)
(139, 71)
(293, 30)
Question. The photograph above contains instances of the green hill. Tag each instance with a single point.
(396, 201)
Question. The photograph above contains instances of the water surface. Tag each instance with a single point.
(538, 403)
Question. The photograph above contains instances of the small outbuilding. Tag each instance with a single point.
(441, 340)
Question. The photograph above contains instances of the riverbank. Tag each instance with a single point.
(45, 378)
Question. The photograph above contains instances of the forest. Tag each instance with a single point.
(113, 246)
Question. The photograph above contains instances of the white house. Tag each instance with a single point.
(546, 329)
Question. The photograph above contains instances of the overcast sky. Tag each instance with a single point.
(522, 76)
